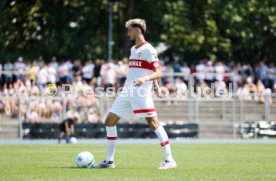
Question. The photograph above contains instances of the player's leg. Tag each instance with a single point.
(144, 108)
(120, 108)
(111, 135)
(164, 142)
(61, 135)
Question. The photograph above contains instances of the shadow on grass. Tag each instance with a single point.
(76, 168)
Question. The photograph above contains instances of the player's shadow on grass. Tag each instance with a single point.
(72, 167)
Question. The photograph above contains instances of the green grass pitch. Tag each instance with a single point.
(140, 162)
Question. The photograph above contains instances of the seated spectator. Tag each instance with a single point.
(169, 85)
(202, 88)
(56, 112)
(251, 87)
(33, 116)
(92, 116)
(181, 87)
(220, 88)
(263, 93)
(243, 93)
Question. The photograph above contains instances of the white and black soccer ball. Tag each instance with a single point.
(85, 159)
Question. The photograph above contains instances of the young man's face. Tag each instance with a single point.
(132, 33)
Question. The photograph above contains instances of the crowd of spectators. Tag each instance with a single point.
(27, 79)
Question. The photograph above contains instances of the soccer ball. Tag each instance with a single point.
(73, 140)
(85, 159)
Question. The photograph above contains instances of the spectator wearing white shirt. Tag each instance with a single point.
(42, 76)
(220, 70)
(200, 71)
(181, 87)
(186, 72)
(243, 92)
(210, 70)
(110, 75)
(88, 71)
(52, 73)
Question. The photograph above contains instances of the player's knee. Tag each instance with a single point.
(111, 120)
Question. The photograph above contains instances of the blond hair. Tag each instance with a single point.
(138, 23)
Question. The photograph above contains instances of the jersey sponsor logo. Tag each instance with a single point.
(135, 63)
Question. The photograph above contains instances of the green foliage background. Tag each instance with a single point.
(232, 30)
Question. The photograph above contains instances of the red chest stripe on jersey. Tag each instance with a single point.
(143, 64)
(133, 63)
(143, 110)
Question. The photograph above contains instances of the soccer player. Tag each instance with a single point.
(136, 97)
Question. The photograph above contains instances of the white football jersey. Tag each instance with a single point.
(142, 61)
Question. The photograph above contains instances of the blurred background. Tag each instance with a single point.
(227, 46)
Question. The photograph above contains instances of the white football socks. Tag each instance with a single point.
(164, 141)
(111, 137)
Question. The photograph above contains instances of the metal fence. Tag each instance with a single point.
(194, 109)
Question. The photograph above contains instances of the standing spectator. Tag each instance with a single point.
(54, 63)
(220, 70)
(87, 72)
(20, 69)
(97, 73)
(200, 71)
(42, 76)
(110, 75)
(186, 72)
(70, 74)
(122, 71)
(33, 72)
(52, 74)
(210, 70)
(77, 68)
(8, 68)
(63, 71)
(262, 73)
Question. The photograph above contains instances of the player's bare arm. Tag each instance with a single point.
(154, 76)
(158, 91)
